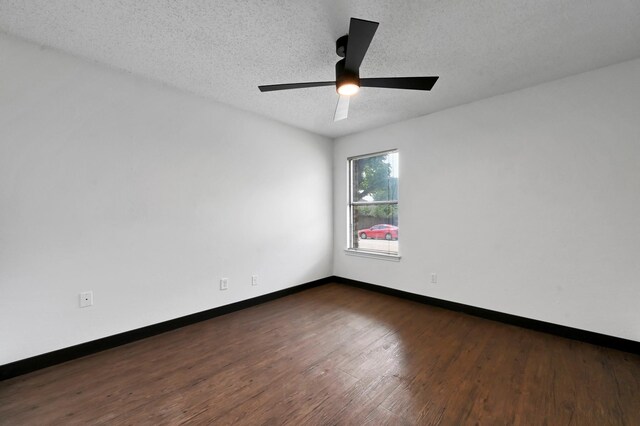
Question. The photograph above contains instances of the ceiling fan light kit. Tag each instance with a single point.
(352, 48)
(347, 81)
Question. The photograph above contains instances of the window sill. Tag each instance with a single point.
(373, 255)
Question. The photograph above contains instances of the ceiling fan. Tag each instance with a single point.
(352, 48)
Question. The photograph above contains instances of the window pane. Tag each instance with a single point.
(375, 178)
(375, 228)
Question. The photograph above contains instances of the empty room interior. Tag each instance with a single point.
(320, 212)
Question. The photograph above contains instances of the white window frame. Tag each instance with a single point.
(350, 250)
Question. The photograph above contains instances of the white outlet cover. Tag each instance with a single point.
(254, 280)
(224, 283)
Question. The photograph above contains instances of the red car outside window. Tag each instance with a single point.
(382, 231)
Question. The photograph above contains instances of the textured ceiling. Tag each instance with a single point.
(224, 49)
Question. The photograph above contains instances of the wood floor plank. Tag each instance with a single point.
(336, 355)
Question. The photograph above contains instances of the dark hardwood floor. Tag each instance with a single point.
(336, 355)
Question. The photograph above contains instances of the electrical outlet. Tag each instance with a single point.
(224, 283)
(86, 299)
(434, 278)
(254, 280)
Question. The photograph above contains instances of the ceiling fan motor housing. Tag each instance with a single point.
(341, 46)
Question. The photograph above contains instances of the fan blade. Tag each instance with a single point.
(342, 109)
(272, 87)
(360, 35)
(412, 83)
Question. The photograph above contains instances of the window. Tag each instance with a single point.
(373, 203)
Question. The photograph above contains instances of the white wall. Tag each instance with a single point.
(147, 196)
(526, 203)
